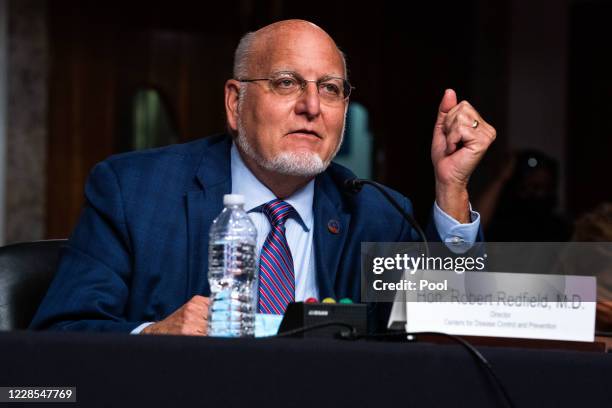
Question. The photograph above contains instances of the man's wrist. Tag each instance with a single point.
(454, 200)
(142, 329)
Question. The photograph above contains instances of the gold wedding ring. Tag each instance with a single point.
(475, 124)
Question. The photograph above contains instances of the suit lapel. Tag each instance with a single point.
(203, 205)
(330, 233)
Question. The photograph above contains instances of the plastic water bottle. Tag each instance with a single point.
(232, 271)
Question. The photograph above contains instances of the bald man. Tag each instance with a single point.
(137, 260)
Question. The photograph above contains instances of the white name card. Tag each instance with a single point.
(492, 304)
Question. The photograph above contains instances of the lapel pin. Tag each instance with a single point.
(333, 226)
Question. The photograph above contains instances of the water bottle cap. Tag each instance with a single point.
(233, 199)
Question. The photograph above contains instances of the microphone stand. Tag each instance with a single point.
(355, 185)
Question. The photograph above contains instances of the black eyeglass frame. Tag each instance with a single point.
(347, 88)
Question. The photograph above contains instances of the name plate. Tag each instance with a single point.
(494, 304)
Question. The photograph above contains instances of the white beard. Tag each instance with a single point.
(304, 164)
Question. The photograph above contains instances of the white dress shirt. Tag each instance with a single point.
(298, 227)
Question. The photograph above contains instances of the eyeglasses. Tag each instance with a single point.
(286, 83)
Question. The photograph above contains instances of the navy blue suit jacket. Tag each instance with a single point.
(140, 249)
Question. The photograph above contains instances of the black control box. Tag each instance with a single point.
(299, 315)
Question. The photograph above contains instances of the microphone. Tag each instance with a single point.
(354, 186)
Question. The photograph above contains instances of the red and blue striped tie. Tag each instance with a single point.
(276, 278)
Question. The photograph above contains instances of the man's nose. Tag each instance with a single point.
(309, 102)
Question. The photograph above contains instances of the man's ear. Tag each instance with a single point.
(232, 89)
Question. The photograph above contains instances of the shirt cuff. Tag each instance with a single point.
(459, 238)
(140, 328)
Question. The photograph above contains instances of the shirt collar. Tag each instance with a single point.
(256, 193)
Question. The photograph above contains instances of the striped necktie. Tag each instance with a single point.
(276, 278)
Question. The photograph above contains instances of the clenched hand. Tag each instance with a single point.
(460, 139)
(190, 319)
